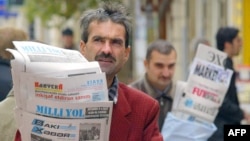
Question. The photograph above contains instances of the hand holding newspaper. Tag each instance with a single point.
(59, 94)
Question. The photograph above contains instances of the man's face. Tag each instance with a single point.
(236, 45)
(67, 40)
(106, 44)
(160, 69)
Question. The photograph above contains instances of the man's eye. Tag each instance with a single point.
(97, 40)
(171, 66)
(159, 65)
(117, 43)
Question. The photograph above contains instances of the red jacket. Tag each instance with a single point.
(134, 117)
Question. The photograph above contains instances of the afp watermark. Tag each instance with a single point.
(237, 132)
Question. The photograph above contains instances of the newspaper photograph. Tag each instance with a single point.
(34, 127)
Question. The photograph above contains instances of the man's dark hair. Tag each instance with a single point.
(225, 34)
(67, 31)
(161, 46)
(113, 11)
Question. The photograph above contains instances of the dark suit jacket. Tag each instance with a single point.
(165, 103)
(5, 78)
(230, 112)
(134, 117)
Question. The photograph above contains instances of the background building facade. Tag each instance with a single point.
(179, 21)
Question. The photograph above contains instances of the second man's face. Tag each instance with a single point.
(236, 45)
(106, 44)
(160, 69)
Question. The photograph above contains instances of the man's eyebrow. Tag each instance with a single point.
(172, 64)
(97, 37)
(112, 39)
(158, 63)
(117, 40)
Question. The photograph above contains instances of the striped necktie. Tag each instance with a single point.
(113, 91)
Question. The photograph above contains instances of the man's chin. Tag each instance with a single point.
(165, 83)
(106, 70)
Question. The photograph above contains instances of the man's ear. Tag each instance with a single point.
(82, 47)
(146, 63)
(127, 53)
(227, 45)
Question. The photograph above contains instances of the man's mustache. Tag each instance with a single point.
(106, 56)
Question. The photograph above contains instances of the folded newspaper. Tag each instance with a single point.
(39, 128)
(59, 94)
(197, 101)
(206, 86)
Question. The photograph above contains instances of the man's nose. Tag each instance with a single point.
(166, 71)
(107, 49)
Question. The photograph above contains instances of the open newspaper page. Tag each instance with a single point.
(57, 86)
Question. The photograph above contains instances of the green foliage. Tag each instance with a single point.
(46, 9)
(65, 9)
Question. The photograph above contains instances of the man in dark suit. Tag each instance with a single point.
(159, 63)
(230, 113)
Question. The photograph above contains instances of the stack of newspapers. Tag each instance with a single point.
(59, 94)
(200, 97)
(197, 101)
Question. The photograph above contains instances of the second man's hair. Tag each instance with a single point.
(162, 46)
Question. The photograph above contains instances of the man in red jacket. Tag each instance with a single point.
(105, 38)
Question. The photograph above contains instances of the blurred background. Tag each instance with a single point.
(179, 21)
